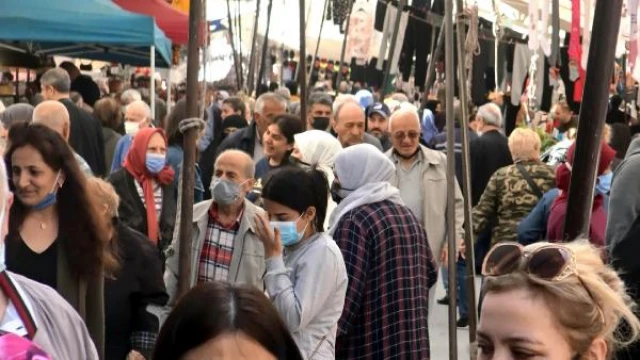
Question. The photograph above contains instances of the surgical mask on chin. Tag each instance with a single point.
(49, 199)
(289, 234)
(131, 127)
(603, 185)
(155, 162)
(321, 123)
(224, 192)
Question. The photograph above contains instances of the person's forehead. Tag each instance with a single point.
(320, 107)
(230, 163)
(272, 105)
(404, 122)
(351, 112)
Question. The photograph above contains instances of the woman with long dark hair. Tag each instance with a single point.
(55, 237)
(218, 320)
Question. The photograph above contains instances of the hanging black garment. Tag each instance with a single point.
(417, 41)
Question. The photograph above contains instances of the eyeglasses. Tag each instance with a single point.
(550, 263)
(401, 135)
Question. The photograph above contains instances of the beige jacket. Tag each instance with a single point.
(247, 261)
(434, 187)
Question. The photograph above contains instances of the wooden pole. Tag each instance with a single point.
(431, 69)
(315, 54)
(392, 48)
(189, 146)
(466, 186)
(344, 46)
(265, 46)
(451, 180)
(302, 79)
(252, 56)
(593, 111)
(233, 46)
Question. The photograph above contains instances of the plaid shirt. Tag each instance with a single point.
(391, 269)
(217, 250)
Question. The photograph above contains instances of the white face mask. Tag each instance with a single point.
(131, 127)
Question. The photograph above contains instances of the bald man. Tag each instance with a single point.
(137, 116)
(54, 115)
(421, 176)
(224, 224)
(349, 125)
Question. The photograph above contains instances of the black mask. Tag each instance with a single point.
(335, 193)
(321, 123)
(299, 163)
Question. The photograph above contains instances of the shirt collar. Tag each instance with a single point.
(214, 214)
(21, 305)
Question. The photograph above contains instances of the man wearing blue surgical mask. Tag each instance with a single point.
(224, 242)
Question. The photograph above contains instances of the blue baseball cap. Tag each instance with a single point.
(380, 109)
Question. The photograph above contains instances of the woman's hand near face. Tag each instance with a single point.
(270, 237)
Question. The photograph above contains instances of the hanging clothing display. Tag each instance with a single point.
(521, 65)
(555, 33)
(340, 10)
(360, 34)
(538, 27)
(417, 41)
(387, 32)
(633, 37)
(381, 12)
(586, 34)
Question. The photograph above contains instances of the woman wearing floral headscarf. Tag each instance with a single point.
(146, 188)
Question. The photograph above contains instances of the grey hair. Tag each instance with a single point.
(338, 108)
(405, 111)
(268, 97)
(490, 114)
(284, 93)
(129, 96)
(400, 97)
(319, 98)
(58, 79)
(16, 113)
(341, 99)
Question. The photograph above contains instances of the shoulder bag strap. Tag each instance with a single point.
(527, 177)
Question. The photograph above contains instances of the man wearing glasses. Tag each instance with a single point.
(421, 176)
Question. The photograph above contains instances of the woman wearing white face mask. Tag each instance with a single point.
(308, 284)
(146, 188)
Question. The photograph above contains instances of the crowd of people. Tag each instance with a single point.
(314, 236)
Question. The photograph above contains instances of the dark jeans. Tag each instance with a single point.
(461, 268)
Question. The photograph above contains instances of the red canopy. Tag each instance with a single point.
(174, 23)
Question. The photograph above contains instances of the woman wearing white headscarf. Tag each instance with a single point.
(318, 148)
(387, 257)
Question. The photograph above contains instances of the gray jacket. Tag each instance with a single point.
(624, 199)
(247, 262)
(60, 330)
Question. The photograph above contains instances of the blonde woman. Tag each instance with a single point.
(513, 191)
(552, 301)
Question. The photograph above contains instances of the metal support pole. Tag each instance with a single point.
(344, 45)
(239, 23)
(233, 46)
(466, 186)
(392, 48)
(152, 83)
(451, 181)
(189, 146)
(253, 54)
(593, 111)
(302, 79)
(315, 54)
(431, 69)
(169, 104)
(265, 46)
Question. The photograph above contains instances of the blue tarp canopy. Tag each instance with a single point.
(91, 29)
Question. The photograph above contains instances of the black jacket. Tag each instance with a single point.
(133, 213)
(243, 139)
(86, 137)
(488, 153)
(137, 284)
(439, 142)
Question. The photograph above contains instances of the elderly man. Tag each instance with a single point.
(224, 243)
(388, 259)
(421, 176)
(249, 139)
(86, 135)
(54, 115)
(349, 124)
(137, 116)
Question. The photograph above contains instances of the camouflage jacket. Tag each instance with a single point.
(508, 199)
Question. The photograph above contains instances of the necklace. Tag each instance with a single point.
(43, 226)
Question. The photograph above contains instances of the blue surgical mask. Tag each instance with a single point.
(155, 162)
(289, 234)
(49, 199)
(603, 186)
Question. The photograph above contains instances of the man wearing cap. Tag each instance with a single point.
(378, 124)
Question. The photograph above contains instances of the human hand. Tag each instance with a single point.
(269, 237)
(134, 355)
(445, 257)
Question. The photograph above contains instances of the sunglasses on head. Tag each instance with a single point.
(550, 262)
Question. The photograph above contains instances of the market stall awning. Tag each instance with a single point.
(91, 29)
(174, 23)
